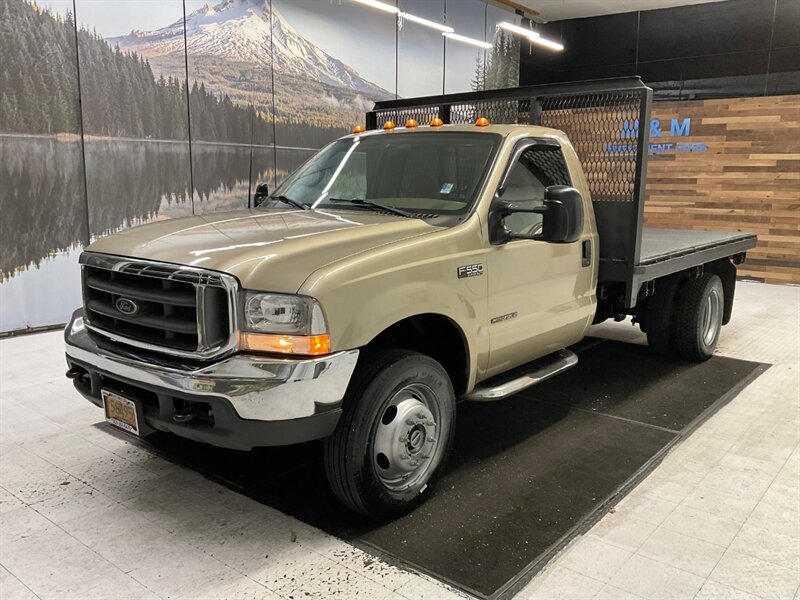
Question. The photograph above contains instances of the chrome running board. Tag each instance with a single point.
(537, 371)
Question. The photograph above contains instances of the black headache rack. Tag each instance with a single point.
(602, 119)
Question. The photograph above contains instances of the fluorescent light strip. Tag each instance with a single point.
(533, 36)
(449, 32)
(528, 33)
(426, 22)
(379, 5)
(467, 40)
(548, 44)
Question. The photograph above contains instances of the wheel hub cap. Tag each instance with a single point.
(406, 448)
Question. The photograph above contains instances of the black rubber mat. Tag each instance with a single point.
(526, 473)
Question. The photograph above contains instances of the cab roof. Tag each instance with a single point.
(503, 129)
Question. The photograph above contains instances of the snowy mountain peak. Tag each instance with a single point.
(206, 9)
(247, 31)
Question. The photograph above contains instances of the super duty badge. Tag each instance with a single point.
(470, 271)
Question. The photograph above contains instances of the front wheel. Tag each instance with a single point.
(392, 441)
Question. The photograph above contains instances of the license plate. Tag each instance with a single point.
(120, 412)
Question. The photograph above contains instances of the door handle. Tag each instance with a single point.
(586, 253)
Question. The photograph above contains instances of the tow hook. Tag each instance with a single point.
(73, 374)
(189, 412)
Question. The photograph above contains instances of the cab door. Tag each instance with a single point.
(539, 292)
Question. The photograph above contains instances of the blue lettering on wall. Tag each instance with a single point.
(630, 130)
(655, 128)
(677, 128)
(691, 148)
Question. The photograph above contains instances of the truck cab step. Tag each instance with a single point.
(524, 376)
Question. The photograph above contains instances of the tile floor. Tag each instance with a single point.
(84, 514)
(720, 517)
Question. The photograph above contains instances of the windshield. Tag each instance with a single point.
(419, 172)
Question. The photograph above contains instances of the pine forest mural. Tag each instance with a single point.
(101, 129)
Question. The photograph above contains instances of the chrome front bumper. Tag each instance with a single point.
(257, 387)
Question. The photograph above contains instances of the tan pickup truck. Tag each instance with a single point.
(399, 270)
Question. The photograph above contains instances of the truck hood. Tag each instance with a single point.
(271, 250)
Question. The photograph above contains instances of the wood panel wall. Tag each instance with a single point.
(748, 179)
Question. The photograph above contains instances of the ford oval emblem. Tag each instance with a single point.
(126, 306)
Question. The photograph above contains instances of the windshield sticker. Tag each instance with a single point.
(446, 188)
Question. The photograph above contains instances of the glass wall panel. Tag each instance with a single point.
(42, 195)
(465, 63)
(331, 62)
(263, 161)
(420, 50)
(229, 64)
(502, 61)
(135, 119)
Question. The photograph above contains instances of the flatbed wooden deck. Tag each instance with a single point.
(665, 251)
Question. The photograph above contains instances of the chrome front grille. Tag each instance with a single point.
(170, 308)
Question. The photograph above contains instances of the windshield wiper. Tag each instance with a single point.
(375, 205)
(290, 202)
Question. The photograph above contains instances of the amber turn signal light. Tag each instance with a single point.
(285, 344)
(358, 129)
(481, 122)
(411, 123)
(436, 122)
(389, 125)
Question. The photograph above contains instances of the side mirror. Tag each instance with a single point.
(262, 193)
(562, 217)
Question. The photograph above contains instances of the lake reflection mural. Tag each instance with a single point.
(185, 107)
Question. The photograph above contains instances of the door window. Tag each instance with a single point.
(539, 167)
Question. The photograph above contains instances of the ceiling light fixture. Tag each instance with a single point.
(467, 40)
(379, 5)
(548, 44)
(426, 22)
(532, 35)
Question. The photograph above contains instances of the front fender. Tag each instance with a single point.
(365, 295)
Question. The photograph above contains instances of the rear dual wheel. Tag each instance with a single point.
(661, 317)
(395, 433)
(699, 317)
(684, 318)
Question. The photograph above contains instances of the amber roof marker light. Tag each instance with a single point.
(411, 123)
(389, 125)
(481, 122)
(358, 129)
(436, 122)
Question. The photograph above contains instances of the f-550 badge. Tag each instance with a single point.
(470, 271)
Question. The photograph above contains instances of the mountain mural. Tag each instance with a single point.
(239, 31)
(233, 45)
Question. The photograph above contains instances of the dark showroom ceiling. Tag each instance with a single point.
(555, 10)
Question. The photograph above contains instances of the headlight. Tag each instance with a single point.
(283, 323)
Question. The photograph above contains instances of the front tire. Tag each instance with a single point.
(391, 443)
